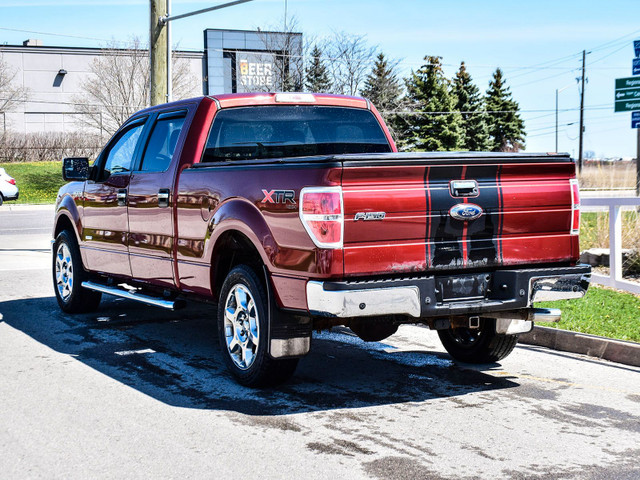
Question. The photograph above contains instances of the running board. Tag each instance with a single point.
(138, 297)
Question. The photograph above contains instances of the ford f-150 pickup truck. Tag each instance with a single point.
(295, 212)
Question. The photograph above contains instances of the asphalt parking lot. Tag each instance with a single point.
(135, 392)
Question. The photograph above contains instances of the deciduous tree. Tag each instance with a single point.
(287, 47)
(10, 94)
(350, 58)
(119, 86)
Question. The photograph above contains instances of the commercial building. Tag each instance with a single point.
(53, 76)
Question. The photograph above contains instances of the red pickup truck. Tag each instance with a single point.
(295, 212)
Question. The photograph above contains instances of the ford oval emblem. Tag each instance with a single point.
(465, 211)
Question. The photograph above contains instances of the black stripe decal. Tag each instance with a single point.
(429, 262)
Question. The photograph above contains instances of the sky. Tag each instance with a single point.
(538, 45)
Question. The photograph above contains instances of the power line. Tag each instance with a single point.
(62, 35)
(604, 45)
(609, 54)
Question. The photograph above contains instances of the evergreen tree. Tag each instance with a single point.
(429, 91)
(506, 128)
(383, 88)
(474, 117)
(316, 75)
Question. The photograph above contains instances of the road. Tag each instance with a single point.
(134, 392)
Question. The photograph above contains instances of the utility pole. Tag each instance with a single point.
(169, 60)
(584, 53)
(160, 22)
(158, 52)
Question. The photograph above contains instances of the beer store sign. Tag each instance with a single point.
(255, 72)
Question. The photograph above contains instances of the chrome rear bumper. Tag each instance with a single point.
(363, 303)
(421, 297)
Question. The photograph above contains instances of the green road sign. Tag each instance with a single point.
(627, 95)
(629, 82)
(630, 94)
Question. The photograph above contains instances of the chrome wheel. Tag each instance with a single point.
(241, 326)
(64, 272)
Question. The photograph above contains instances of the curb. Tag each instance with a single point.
(619, 351)
(26, 207)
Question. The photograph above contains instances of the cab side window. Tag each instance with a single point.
(163, 141)
(120, 156)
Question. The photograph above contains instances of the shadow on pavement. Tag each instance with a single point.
(174, 357)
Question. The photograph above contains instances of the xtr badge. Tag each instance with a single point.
(279, 196)
(466, 211)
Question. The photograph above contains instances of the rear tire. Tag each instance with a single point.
(68, 275)
(478, 345)
(243, 331)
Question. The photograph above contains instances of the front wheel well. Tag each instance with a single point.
(232, 248)
(64, 223)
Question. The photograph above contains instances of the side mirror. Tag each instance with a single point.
(75, 168)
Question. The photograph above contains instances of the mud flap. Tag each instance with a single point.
(289, 333)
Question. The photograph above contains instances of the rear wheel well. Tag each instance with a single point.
(63, 224)
(232, 249)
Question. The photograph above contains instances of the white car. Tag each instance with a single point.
(8, 188)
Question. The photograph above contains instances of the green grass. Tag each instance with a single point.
(38, 181)
(602, 311)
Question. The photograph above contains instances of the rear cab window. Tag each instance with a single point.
(278, 131)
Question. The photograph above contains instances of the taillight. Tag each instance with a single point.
(575, 206)
(321, 213)
(12, 181)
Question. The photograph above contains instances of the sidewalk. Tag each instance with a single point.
(24, 207)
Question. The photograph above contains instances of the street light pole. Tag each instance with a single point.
(556, 120)
(558, 90)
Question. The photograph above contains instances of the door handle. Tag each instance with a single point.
(122, 198)
(163, 197)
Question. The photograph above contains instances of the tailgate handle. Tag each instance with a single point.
(163, 197)
(464, 188)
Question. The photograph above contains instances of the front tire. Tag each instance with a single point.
(478, 345)
(68, 275)
(243, 331)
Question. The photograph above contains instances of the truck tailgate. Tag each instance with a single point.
(524, 215)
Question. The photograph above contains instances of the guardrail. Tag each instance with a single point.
(614, 204)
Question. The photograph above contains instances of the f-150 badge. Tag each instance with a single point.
(465, 211)
(279, 196)
(369, 216)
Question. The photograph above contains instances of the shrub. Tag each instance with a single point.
(47, 146)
